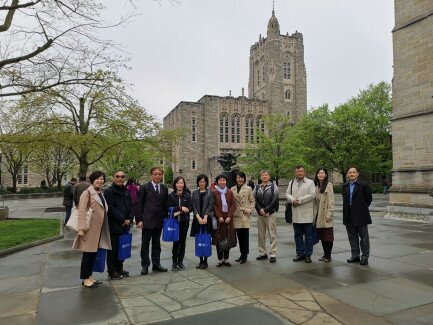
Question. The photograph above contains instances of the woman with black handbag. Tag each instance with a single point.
(224, 209)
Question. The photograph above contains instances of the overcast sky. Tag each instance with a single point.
(201, 47)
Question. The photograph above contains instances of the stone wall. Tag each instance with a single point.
(412, 108)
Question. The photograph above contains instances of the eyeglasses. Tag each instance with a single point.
(119, 176)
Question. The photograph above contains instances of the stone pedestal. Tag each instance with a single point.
(4, 213)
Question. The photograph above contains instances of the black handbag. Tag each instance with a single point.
(288, 212)
(224, 245)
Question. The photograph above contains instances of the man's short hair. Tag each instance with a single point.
(157, 168)
(265, 171)
(352, 166)
(118, 170)
(73, 179)
(299, 167)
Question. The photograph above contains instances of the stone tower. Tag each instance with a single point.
(277, 71)
(412, 121)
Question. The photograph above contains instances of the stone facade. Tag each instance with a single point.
(277, 71)
(215, 125)
(412, 111)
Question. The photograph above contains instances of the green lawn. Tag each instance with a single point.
(24, 231)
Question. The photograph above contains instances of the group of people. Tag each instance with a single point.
(223, 212)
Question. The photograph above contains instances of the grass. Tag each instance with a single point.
(24, 231)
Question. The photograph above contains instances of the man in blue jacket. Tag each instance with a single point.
(119, 219)
(357, 198)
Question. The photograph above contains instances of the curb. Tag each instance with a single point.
(15, 249)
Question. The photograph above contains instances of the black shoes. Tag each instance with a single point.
(353, 260)
(180, 266)
(144, 271)
(114, 275)
(159, 268)
(124, 273)
(363, 261)
(204, 266)
(242, 259)
(174, 267)
(299, 258)
(307, 259)
(94, 285)
(262, 257)
(273, 259)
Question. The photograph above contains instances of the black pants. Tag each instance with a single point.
(327, 248)
(113, 264)
(222, 255)
(244, 240)
(147, 235)
(87, 262)
(358, 236)
(203, 260)
(178, 250)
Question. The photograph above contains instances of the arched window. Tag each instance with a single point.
(260, 126)
(249, 129)
(224, 128)
(287, 70)
(288, 94)
(236, 129)
(258, 76)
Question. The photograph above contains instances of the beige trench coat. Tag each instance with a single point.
(98, 236)
(324, 205)
(302, 213)
(245, 203)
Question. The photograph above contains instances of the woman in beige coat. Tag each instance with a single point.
(98, 235)
(245, 203)
(324, 205)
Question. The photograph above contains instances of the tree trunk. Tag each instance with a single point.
(83, 164)
(343, 176)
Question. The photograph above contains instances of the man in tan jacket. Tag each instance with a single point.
(300, 193)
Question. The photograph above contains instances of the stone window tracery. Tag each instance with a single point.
(249, 129)
(193, 129)
(224, 128)
(288, 94)
(236, 129)
(287, 70)
(260, 126)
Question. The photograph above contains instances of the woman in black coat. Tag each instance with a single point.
(203, 203)
(181, 202)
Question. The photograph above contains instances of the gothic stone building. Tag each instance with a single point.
(277, 85)
(412, 99)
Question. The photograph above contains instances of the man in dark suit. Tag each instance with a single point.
(357, 198)
(151, 209)
(119, 219)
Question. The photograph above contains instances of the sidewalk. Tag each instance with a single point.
(41, 285)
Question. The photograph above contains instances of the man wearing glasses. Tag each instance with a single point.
(119, 219)
(151, 209)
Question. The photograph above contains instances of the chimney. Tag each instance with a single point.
(243, 92)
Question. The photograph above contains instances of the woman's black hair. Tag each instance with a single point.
(325, 181)
(177, 179)
(131, 180)
(242, 175)
(95, 175)
(203, 176)
(219, 177)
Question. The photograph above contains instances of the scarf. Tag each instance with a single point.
(223, 192)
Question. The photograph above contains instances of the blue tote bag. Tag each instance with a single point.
(203, 243)
(124, 249)
(99, 265)
(170, 228)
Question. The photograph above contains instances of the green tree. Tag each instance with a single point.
(355, 133)
(275, 149)
(93, 120)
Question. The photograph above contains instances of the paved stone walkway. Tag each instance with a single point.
(41, 286)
